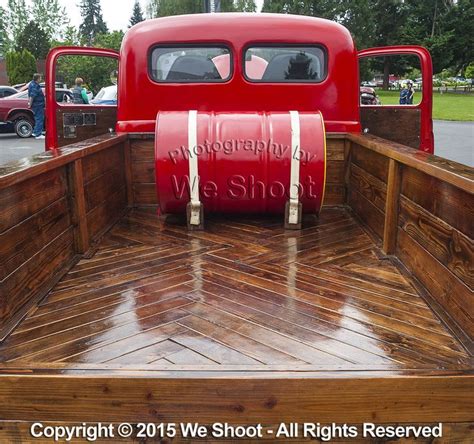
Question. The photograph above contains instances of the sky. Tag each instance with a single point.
(116, 12)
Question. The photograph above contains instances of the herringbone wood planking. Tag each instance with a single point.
(244, 292)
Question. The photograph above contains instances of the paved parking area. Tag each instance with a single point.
(453, 140)
(13, 147)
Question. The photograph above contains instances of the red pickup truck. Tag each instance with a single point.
(248, 245)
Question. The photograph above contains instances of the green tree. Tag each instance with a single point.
(21, 66)
(111, 40)
(315, 8)
(276, 6)
(96, 71)
(389, 17)
(16, 18)
(137, 14)
(460, 26)
(35, 40)
(427, 24)
(469, 72)
(245, 6)
(92, 21)
(227, 6)
(162, 8)
(238, 6)
(50, 16)
(4, 40)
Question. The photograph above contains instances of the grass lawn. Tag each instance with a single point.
(446, 106)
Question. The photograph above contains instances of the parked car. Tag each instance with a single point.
(369, 83)
(368, 96)
(6, 91)
(106, 96)
(16, 117)
(379, 84)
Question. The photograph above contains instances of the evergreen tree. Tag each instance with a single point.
(227, 6)
(162, 8)
(50, 16)
(92, 21)
(33, 39)
(4, 41)
(20, 66)
(137, 14)
(245, 6)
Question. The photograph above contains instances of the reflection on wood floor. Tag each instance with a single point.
(244, 292)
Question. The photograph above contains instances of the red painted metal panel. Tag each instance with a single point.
(243, 161)
(51, 104)
(141, 98)
(426, 104)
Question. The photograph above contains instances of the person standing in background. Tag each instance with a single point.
(36, 103)
(79, 94)
(403, 94)
(411, 93)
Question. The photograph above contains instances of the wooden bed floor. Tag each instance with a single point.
(244, 292)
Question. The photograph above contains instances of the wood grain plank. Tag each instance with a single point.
(448, 245)
(391, 208)
(22, 200)
(236, 399)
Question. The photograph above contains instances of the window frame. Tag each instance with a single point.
(286, 45)
(185, 45)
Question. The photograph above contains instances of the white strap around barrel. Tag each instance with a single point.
(295, 168)
(193, 168)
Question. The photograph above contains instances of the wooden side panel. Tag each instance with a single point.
(335, 192)
(143, 172)
(367, 177)
(105, 188)
(144, 184)
(424, 217)
(435, 241)
(441, 199)
(46, 219)
(26, 198)
(401, 125)
(36, 239)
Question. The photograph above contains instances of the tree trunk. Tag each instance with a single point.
(386, 73)
(434, 19)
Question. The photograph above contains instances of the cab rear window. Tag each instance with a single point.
(177, 64)
(285, 64)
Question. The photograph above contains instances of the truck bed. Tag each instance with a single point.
(110, 313)
(243, 293)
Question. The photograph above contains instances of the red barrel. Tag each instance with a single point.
(244, 161)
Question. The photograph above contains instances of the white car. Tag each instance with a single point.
(106, 96)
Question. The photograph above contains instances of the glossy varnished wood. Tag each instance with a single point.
(245, 321)
(52, 207)
(243, 292)
(421, 208)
